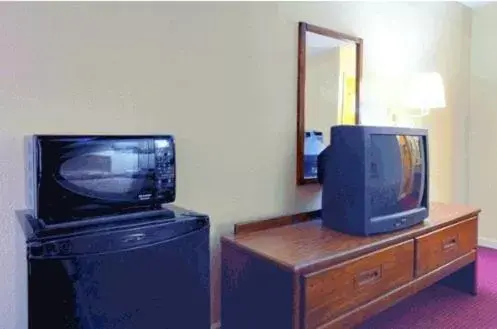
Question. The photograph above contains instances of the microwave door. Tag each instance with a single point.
(119, 171)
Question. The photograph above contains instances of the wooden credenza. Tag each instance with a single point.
(292, 273)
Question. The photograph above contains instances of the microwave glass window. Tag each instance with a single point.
(120, 168)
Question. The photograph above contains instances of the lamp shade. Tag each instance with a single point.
(426, 91)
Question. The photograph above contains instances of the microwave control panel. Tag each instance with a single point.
(165, 167)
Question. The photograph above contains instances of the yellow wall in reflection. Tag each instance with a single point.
(348, 106)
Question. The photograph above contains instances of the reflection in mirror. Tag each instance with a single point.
(328, 92)
(328, 100)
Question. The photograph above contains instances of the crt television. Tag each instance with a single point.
(374, 179)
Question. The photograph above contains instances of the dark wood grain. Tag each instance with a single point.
(375, 306)
(297, 302)
(329, 33)
(466, 279)
(438, 248)
(301, 275)
(264, 224)
(343, 287)
(309, 247)
(301, 79)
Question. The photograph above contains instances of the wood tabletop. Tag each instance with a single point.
(307, 246)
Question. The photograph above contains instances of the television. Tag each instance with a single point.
(374, 179)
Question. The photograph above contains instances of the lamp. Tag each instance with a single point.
(425, 92)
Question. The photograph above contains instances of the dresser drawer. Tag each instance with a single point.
(442, 246)
(336, 290)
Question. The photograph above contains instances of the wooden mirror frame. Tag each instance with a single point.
(303, 29)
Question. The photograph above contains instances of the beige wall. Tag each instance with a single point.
(222, 78)
(483, 121)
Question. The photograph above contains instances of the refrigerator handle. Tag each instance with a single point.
(135, 240)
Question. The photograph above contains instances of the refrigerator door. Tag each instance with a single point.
(154, 277)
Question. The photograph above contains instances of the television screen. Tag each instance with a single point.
(396, 173)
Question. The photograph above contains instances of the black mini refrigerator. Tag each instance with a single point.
(138, 273)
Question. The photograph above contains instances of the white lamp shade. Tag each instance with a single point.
(426, 91)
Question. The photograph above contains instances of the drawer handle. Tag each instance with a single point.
(133, 237)
(450, 243)
(368, 277)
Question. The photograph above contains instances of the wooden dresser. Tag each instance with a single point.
(291, 273)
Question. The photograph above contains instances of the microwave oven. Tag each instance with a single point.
(76, 178)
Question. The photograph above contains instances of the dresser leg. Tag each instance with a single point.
(464, 280)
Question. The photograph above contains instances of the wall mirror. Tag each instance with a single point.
(329, 72)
